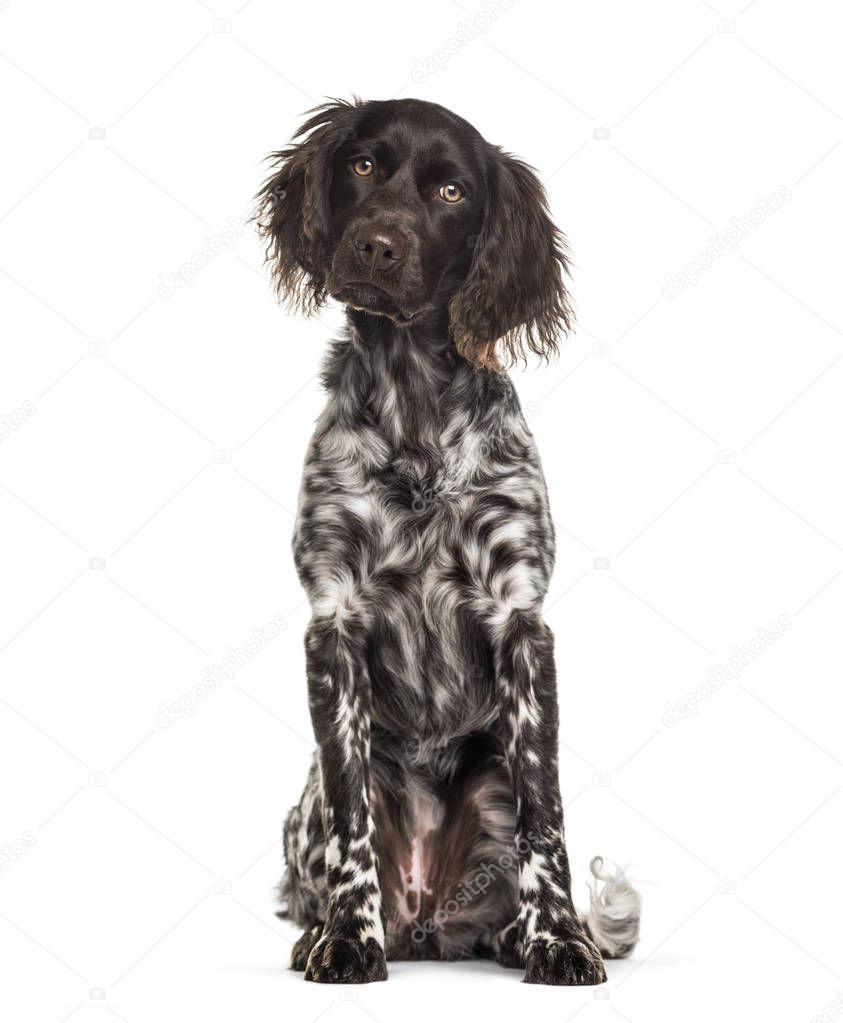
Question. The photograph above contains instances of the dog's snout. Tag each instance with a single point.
(380, 248)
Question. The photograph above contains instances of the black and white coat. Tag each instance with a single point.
(431, 822)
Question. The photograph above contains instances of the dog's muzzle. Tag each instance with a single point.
(376, 268)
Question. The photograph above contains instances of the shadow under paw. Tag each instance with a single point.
(564, 962)
(335, 960)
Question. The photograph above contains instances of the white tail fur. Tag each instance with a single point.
(615, 913)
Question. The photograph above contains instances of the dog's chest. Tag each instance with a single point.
(429, 659)
(401, 525)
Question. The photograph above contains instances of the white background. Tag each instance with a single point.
(690, 438)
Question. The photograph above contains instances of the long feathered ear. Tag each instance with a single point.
(514, 298)
(293, 213)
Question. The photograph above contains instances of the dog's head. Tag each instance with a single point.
(402, 209)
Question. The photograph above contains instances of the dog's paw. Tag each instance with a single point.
(336, 960)
(504, 947)
(575, 961)
(303, 948)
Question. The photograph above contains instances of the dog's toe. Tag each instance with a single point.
(569, 962)
(337, 960)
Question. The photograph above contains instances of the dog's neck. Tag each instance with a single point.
(409, 388)
(406, 375)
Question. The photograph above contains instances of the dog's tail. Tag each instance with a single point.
(614, 917)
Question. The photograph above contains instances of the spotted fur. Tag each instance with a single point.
(431, 823)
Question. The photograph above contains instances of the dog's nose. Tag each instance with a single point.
(380, 248)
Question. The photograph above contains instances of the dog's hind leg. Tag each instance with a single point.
(303, 947)
(303, 890)
(503, 947)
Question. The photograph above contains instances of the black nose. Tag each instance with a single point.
(380, 248)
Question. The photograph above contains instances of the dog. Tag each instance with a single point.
(431, 822)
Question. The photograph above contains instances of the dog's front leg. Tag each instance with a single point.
(351, 948)
(554, 946)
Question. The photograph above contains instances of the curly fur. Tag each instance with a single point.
(431, 823)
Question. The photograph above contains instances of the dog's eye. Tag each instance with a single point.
(363, 167)
(451, 193)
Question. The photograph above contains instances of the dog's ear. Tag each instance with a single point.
(514, 298)
(293, 212)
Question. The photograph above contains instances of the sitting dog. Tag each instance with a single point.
(431, 822)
